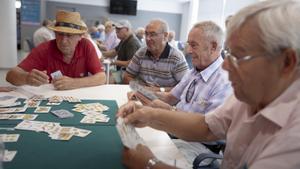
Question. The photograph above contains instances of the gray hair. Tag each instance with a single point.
(212, 31)
(164, 27)
(278, 23)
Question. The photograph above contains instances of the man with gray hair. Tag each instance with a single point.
(157, 65)
(261, 121)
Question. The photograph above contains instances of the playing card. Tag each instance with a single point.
(135, 86)
(62, 136)
(56, 75)
(38, 97)
(53, 103)
(62, 113)
(56, 99)
(42, 109)
(81, 132)
(9, 137)
(9, 155)
(32, 103)
(88, 120)
(72, 99)
(128, 134)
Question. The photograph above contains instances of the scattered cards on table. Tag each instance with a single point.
(9, 155)
(13, 110)
(18, 116)
(42, 109)
(9, 137)
(128, 134)
(55, 131)
(98, 107)
(62, 113)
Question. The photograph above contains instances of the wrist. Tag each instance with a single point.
(152, 162)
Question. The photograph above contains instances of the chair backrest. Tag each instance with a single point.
(30, 43)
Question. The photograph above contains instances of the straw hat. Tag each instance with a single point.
(68, 22)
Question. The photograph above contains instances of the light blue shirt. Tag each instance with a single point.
(212, 87)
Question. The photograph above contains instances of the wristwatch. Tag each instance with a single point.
(152, 162)
(162, 89)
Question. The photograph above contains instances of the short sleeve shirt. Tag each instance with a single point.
(167, 71)
(48, 57)
(127, 48)
(268, 139)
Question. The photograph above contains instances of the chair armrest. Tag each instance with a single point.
(202, 157)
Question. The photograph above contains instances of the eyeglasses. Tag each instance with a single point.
(152, 34)
(234, 60)
(190, 91)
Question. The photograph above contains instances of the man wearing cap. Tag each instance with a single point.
(69, 54)
(157, 65)
(127, 47)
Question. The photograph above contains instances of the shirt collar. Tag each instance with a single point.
(164, 54)
(207, 72)
(281, 108)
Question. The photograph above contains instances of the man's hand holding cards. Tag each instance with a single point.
(56, 75)
(128, 134)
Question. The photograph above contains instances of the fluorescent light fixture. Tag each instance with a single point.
(18, 4)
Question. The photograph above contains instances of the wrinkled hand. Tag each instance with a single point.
(160, 104)
(138, 116)
(64, 83)
(37, 78)
(136, 158)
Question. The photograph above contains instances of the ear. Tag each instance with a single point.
(290, 61)
(214, 45)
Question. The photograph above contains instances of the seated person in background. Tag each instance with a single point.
(43, 34)
(140, 34)
(157, 65)
(127, 47)
(72, 55)
(88, 36)
(111, 40)
(261, 121)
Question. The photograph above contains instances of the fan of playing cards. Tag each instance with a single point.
(135, 86)
(128, 134)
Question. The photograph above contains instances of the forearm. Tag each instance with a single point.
(109, 54)
(95, 80)
(187, 126)
(121, 63)
(127, 78)
(167, 97)
(17, 76)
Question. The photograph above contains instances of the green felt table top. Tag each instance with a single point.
(49, 117)
(101, 149)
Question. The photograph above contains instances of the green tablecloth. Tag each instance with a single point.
(77, 116)
(101, 149)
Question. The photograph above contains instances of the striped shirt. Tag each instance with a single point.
(167, 71)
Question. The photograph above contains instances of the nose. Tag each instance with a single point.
(189, 49)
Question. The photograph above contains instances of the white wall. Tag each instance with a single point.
(170, 6)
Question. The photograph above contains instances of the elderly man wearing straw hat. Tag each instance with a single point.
(69, 61)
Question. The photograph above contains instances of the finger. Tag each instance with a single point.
(39, 76)
(125, 109)
(142, 98)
